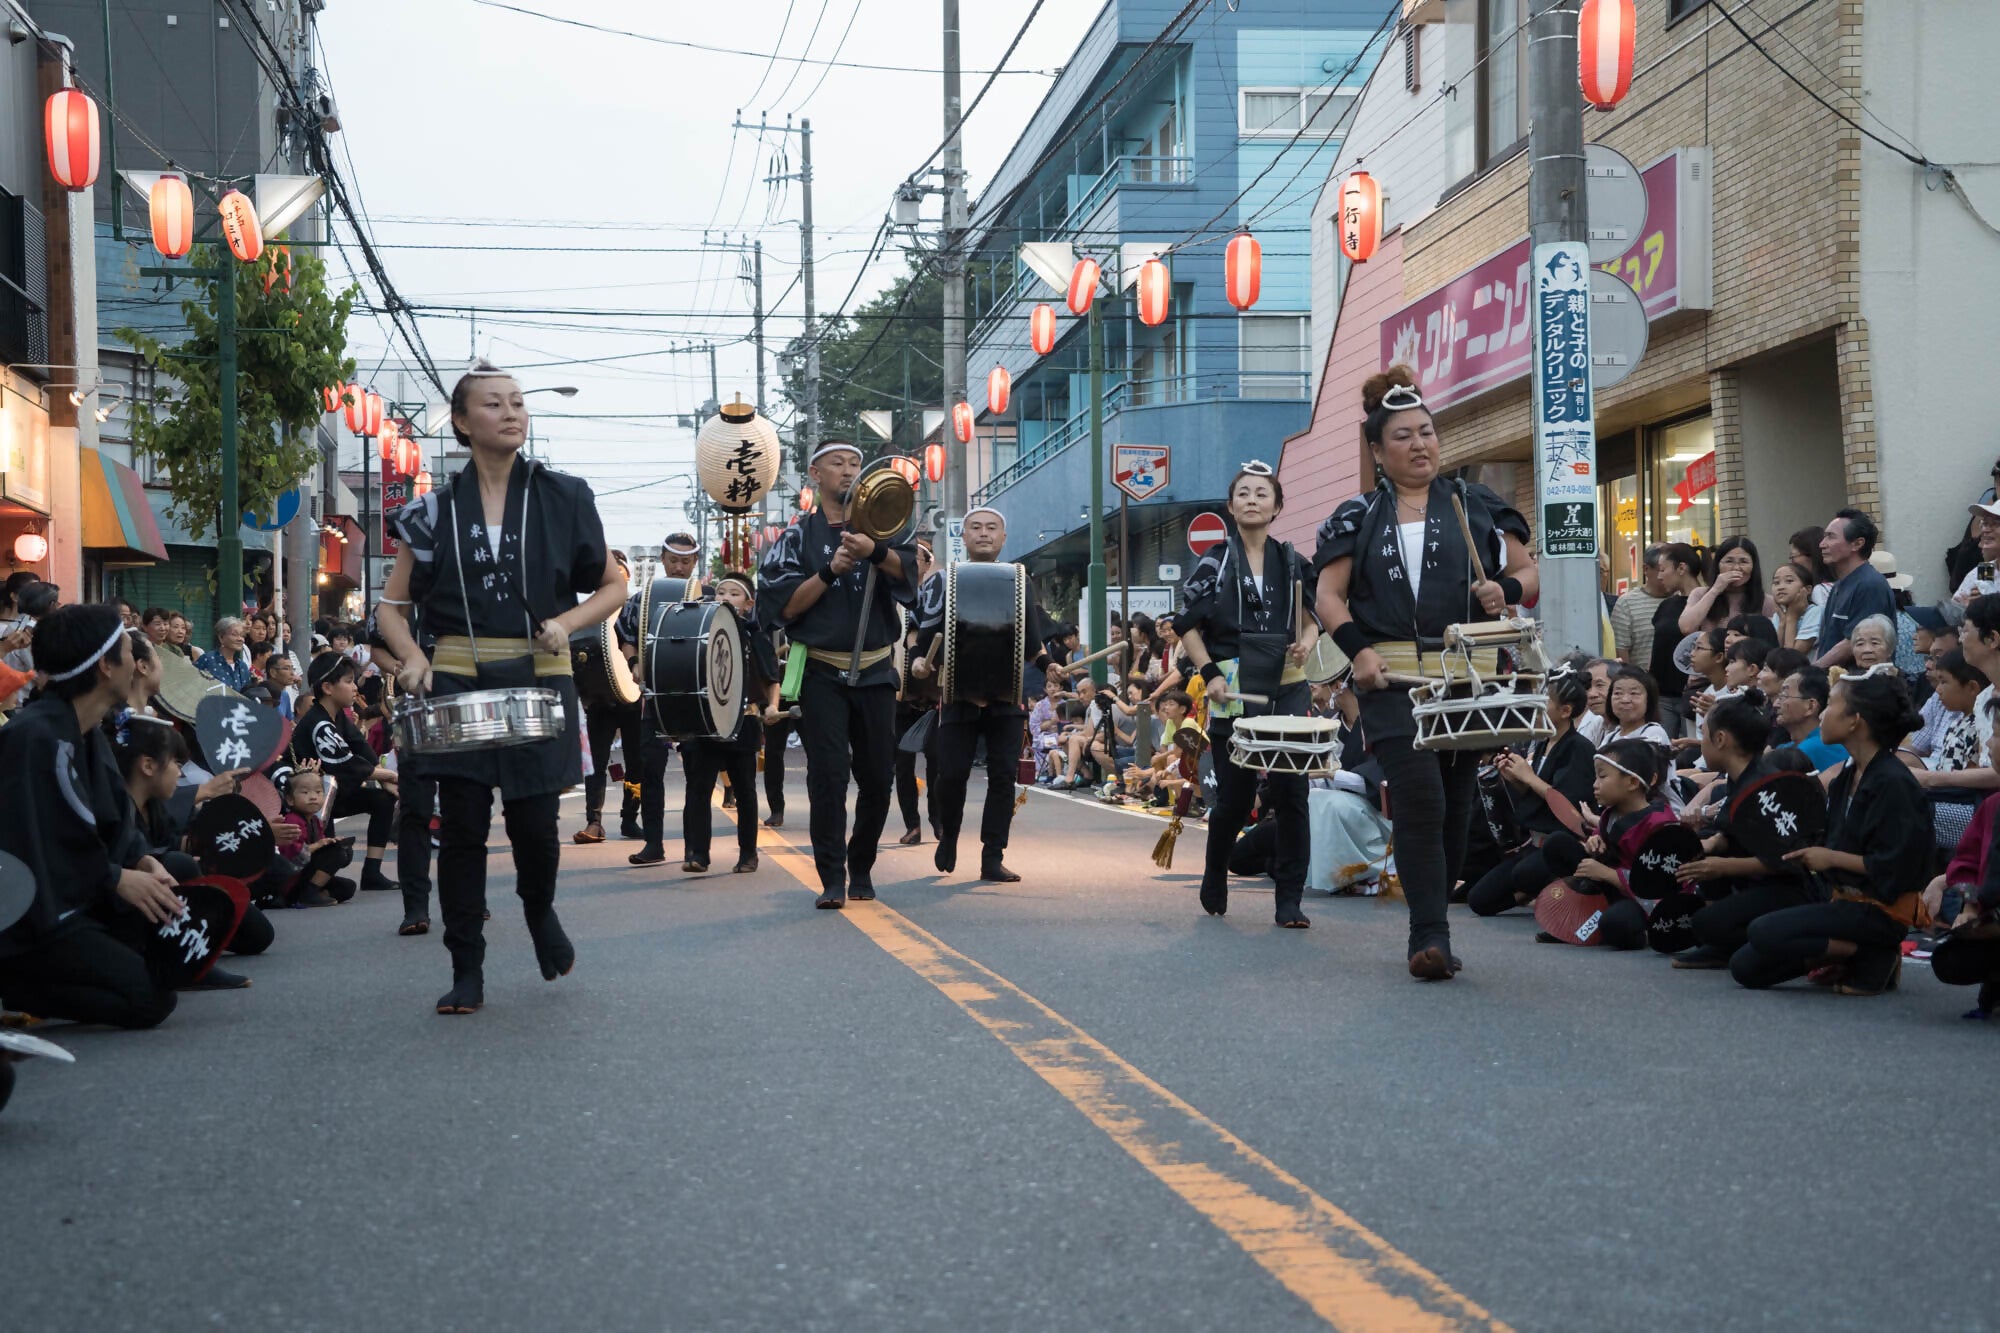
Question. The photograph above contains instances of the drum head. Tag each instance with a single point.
(723, 671)
(1571, 915)
(1325, 662)
(1659, 858)
(1670, 928)
(230, 836)
(1776, 814)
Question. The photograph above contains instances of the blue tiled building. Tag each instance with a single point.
(1152, 141)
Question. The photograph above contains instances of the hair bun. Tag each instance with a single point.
(1380, 383)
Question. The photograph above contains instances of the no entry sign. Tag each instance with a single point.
(1204, 531)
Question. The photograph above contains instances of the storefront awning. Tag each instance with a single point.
(340, 562)
(118, 522)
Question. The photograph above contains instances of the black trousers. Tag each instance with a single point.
(701, 761)
(957, 736)
(655, 749)
(1235, 793)
(1514, 880)
(775, 737)
(1964, 961)
(465, 816)
(1724, 925)
(416, 802)
(90, 973)
(375, 802)
(906, 773)
(1791, 942)
(846, 731)
(1432, 797)
(603, 724)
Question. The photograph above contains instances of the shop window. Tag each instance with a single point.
(1682, 476)
(1273, 355)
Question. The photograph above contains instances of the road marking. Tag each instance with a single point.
(1348, 1275)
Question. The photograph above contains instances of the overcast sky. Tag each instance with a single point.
(457, 113)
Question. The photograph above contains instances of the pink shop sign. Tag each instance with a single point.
(1472, 334)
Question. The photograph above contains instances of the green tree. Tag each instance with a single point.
(289, 344)
(858, 373)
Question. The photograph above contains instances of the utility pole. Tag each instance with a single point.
(809, 409)
(756, 280)
(953, 266)
(714, 384)
(1100, 630)
(1570, 604)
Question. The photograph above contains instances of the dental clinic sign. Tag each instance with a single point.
(1565, 429)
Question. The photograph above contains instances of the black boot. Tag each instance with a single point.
(553, 951)
(416, 912)
(372, 877)
(1288, 914)
(992, 868)
(467, 993)
(1215, 899)
(945, 858)
(651, 854)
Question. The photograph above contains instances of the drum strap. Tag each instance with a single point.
(456, 656)
(869, 656)
(1402, 658)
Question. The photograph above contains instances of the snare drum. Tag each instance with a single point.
(695, 666)
(478, 720)
(1307, 746)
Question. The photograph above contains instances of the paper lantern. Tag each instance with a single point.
(173, 216)
(330, 397)
(999, 386)
(372, 405)
(386, 444)
(423, 484)
(357, 408)
(906, 468)
(1604, 33)
(1243, 271)
(805, 499)
(934, 461)
(1155, 288)
(961, 422)
(30, 547)
(736, 457)
(1360, 216)
(240, 226)
(1082, 286)
(69, 122)
(1042, 329)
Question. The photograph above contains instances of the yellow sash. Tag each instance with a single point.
(869, 656)
(454, 656)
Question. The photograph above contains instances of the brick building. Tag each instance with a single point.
(1817, 303)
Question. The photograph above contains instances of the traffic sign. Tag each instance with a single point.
(288, 509)
(1206, 530)
(1140, 470)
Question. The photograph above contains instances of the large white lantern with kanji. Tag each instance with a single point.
(736, 457)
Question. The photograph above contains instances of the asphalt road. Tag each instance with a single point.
(1070, 1103)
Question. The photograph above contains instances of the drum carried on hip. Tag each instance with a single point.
(985, 632)
(603, 677)
(478, 720)
(1470, 709)
(1307, 746)
(694, 669)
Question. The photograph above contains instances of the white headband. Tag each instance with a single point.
(832, 447)
(1604, 758)
(690, 547)
(91, 660)
(985, 509)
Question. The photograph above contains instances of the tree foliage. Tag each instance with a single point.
(908, 316)
(289, 345)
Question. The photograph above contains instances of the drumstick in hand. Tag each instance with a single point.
(1478, 565)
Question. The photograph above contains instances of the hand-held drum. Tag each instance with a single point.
(1307, 746)
(478, 720)
(695, 669)
(603, 676)
(1467, 709)
(1325, 662)
(985, 632)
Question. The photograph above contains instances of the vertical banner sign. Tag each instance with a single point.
(1565, 426)
(397, 491)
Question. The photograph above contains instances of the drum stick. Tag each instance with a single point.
(1478, 565)
(1096, 656)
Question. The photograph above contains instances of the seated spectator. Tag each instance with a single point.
(1739, 887)
(1801, 702)
(1779, 664)
(1546, 786)
(1956, 757)
(327, 734)
(1798, 615)
(1805, 553)
(1873, 643)
(1740, 628)
(1162, 775)
(81, 951)
(319, 882)
(1861, 590)
(154, 621)
(1984, 576)
(229, 662)
(1045, 728)
(178, 632)
(1937, 627)
(1088, 737)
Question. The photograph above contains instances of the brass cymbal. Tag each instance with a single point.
(883, 504)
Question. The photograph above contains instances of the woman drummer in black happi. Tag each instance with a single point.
(494, 563)
(1393, 574)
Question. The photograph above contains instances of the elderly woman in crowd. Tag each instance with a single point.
(230, 661)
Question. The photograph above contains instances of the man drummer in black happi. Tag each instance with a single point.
(963, 723)
(812, 584)
(494, 563)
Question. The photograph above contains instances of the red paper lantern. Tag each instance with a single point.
(1042, 329)
(423, 484)
(999, 386)
(1360, 216)
(330, 396)
(372, 424)
(934, 460)
(385, 444)
(69, 122)
(173, 216)
(905, 468)
(805, 499)
(1156, 285)
(357, 408)
(1243, 271)
(1604, 33)
(961, 422)
(30, 547)
(240, 226)
(1082, 286)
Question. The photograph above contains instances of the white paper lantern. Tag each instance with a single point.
(736, 457)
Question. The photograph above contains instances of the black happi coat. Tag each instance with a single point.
(807, 547)
(1567, 764)
(1378, 587)
(930, 624)
(335, 743)
(552, 554)
(1221, 602)
(64, 812)
(1882, 816)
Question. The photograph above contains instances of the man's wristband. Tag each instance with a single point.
(1350, 640)
(1511, 587)
(826, 573)
(879, 554)
(1211, 672)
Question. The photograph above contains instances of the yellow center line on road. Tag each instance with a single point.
(1348, 1275)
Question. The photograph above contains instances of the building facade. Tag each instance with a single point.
(1165, 136)
(1811, 292)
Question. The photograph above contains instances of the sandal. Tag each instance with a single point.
(912, 838)
(420, 925)
(591, 832)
